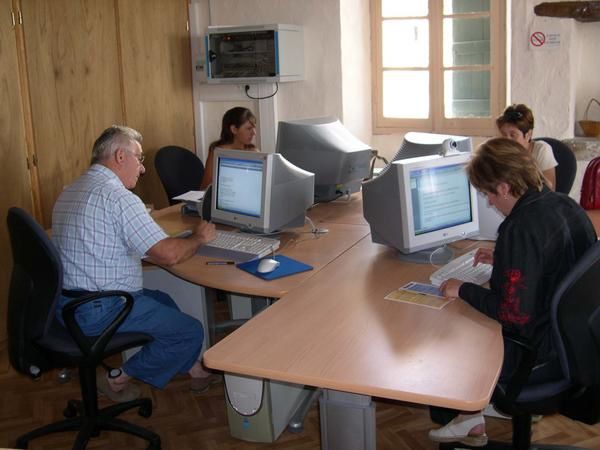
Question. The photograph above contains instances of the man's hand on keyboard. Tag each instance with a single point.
(484, 256)
(450, 287)
(204, 232)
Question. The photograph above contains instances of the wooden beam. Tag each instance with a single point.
(581, 11)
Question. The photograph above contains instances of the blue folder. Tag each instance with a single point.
(287, 266)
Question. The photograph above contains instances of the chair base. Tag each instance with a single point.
(495, 445)
(91, 426)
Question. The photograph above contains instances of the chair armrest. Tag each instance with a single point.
(94, 345)
(527, 362)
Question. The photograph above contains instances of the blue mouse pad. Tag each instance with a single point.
(287, 266)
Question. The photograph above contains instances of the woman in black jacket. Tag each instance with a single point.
(542, 237)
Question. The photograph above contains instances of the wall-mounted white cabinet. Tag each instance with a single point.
(254, 54)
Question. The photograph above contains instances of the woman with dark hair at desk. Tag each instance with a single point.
(540, 240)
(516, 123)
(238, 130)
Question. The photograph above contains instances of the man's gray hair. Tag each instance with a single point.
(112, 139)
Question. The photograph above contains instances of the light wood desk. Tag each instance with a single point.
(337, 332)
(333, 329)
(594, 216)
(346, 337)
(315, 250)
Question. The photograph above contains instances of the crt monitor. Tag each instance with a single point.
(259, 192)
(420, 204)
(417, 144)
(325, 147)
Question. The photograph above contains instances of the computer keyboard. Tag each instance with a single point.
(462, 268)
(239, 247)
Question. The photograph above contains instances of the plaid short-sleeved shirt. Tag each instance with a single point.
(102, 230)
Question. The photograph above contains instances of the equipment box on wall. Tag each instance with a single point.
(263, 53)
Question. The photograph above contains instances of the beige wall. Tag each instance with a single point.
(545, 80)
(588, 67)
(555, 83)
(320, 94)
(356, 67)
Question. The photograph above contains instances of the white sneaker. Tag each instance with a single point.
(458, 431)
(491, 411)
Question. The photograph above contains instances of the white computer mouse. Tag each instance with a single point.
(267, 265)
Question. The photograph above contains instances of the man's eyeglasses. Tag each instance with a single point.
(140, 157)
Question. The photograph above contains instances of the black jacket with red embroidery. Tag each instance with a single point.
(539, 241)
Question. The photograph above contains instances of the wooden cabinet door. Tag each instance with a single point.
(73, 69)
(157, 80)
(15, 186)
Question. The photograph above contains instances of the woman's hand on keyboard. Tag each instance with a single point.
(450, 287)
(484, 256)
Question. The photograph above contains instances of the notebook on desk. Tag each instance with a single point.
(287, 266)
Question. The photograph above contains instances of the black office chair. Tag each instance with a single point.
(567, 164)
(207, 203)
(575, 319)
(179, 170)
(38, 342)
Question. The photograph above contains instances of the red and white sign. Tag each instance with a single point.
(537, 38)
(542, 40)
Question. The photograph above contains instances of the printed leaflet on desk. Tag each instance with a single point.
(419, 294)
(193, 202)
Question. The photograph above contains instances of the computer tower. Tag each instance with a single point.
(259, 410)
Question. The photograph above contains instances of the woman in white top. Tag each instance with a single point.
(238, 131)
(516, 123)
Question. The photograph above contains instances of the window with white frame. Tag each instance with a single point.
(438, 65)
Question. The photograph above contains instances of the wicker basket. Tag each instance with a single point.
(591, 128)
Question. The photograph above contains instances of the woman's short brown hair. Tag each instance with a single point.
(503, 160)
(518, 115)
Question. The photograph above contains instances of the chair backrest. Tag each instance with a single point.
(179, 170)
(567, 164)
(575, 318)
(207, 203)
(35, 286)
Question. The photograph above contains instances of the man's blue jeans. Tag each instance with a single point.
(177, 337)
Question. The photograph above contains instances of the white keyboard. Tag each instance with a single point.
(239, 246)
(462, 268)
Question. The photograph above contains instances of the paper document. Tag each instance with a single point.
(419, 294)
(191, 196)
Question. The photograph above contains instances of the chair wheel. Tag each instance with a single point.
(145, 411)
(154, 444)
(71, 410)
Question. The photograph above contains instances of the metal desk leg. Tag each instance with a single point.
(347, 421)
(210, 295)
(296, 423)
(215, 327)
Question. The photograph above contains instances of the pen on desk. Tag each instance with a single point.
(219, 263)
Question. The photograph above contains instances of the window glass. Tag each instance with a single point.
(466, 93)
(405, 43)
(406, 94)
(403, 8)
(466, 6)
(466, 42)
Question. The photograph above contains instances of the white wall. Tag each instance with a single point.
(356, 67)
(588, 78)
(555, 83)
(320, 94)
(545, 80)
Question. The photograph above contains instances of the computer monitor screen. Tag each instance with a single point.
(417, 144)
(420, 204)
(259, 192)
(325, 147)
